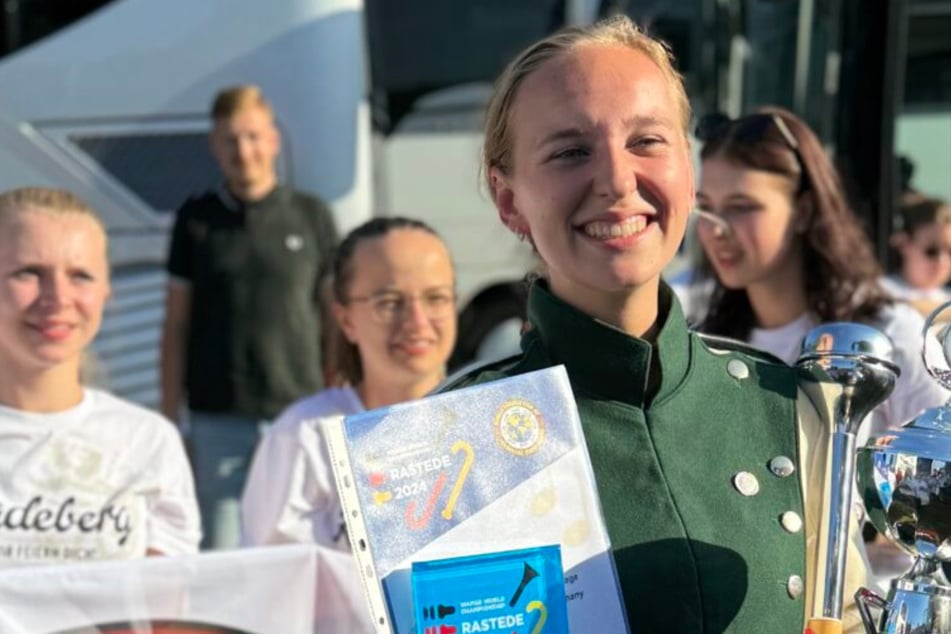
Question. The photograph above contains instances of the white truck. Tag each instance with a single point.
(114, 106)
(380, 104)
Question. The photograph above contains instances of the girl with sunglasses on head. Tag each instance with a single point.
(786, 253)
(705, 454)
(394, 307)
(923, 246)
(83, 474)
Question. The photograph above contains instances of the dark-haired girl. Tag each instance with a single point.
(923, 245)
(786, 252)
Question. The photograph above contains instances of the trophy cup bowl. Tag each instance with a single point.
(905, 481)
(855, 361)
(904, 478)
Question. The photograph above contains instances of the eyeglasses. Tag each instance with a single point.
(721, 226)
(753, 129)
(388, 307)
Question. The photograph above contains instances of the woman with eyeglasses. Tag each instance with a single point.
(786, 252)
(923, 246)
(394, 306)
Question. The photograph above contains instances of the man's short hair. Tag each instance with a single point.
(229, 101)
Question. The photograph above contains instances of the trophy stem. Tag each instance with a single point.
(846, 371)
(840, 503)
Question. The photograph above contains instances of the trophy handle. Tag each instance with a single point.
(941, 375)
(865, 599)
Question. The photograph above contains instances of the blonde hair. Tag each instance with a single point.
(14, 202)
(234, 99)
(615, 31)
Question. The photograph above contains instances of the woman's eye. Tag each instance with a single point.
(648, 142)
(742, 209)
(25, 274)
(388, 305)
(438, 300)
(570, 153)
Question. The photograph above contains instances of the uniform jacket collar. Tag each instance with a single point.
(604, 360)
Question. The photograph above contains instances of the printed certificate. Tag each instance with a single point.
(488, 468)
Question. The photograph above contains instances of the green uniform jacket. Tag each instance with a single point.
(687, 450)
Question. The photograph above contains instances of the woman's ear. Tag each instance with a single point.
(899, 240)
(805, 211)
(504, 198)
(342, 316)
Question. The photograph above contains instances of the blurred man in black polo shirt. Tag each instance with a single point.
(242, 326)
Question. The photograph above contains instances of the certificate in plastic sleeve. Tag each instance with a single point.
(494, 467)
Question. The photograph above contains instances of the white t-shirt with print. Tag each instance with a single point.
(915, 390)
(106, 479)
(290, 495)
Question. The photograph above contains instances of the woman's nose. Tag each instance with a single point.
(53, 289)
(414, 314)
(617, 177)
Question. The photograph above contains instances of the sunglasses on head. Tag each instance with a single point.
(753, 128)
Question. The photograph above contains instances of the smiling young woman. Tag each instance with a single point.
(586, 154)
(68, 452)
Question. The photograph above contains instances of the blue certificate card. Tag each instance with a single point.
(494, 467)
(516, 591)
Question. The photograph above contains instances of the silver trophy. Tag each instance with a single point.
(847, 370)
(904, 477)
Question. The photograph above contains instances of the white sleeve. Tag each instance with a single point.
(285, 500)
(174, 524)
(915, 390)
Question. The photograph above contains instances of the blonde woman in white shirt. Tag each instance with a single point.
(394, 305)
(83, 475)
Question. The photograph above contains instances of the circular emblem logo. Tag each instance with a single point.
(294, 242)
(519, 427)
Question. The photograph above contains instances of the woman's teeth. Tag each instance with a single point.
(607, 230)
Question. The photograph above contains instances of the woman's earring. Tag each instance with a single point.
(521, 234)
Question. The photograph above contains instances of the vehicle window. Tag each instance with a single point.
(923, 125)
(418, 47)
(928, 69)
(161, 169)
(680, 25)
